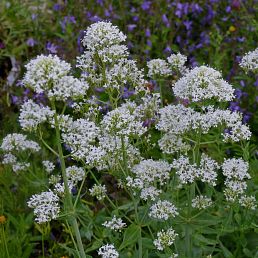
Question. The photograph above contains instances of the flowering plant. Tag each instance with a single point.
(135, 177)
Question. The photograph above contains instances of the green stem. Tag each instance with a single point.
(140, 245)
(67, 195)
(4, 240)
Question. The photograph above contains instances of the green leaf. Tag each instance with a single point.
(202, 239)
(225, 251)
(131, 235)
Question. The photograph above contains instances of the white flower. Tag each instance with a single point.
(158, 67)
(68, 87)
(123, 121)
(186, 172)
(59, 188)
(207, 170)
(10, 159)
(102, 34)
(235, 169)
(233, 189)
(33, 114)
(150, 192)
(43, 71)
(108, 251)
(203, 83)
(98, 191)
(18, 142)
(150, 171)
(124, 73)
(177, 61)
(75, 173)
(107, 155)
(45, 206)
(115, 224)
(79, 135)
(165, 239)
(250, 61)
(163, 210)
(248, 202)
(201, 202)
(48, 165)
(171, 143)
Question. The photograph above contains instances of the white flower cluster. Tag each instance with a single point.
(124, 121)
(75, 174)
(68, 87)
(150, 171)
(163, 210)
(108, 251)
(105, 63)
(147, 174)
(248, 202)
(107, 155)
(10, 159)
(18, 142)
(45, 205)
(33, 114)
(98, 191)
(250, 61)
(235, 171)
(165, 239)
(124, 72)
(115, 224)
(12, 145)
(177, 62)
(158, 67)
(203, 83)
(201, 202)
(186, 119)
(188, 173)
(48, 166)
(43, 71)
(78, 135)
(102, 34)
(50, 75)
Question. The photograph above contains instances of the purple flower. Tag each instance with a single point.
(241, 39)
(14, 99)
(234, 106)
(236, 4)
(57, 7)
(228, 9)
(247, 117)
(131, 27)
(165, 20)
(52, 48)
(146, 5)
(31, 42)
(196, 8)
(149, 43)
(95, 18)
(167, 50)
(2, 45)
(135, 18)
(147, 32)
(34, 16)
(79, 38)
(242, 83)
(128, 93)
(100, 2)
(67, 20)
(238, 93)
(188, 25)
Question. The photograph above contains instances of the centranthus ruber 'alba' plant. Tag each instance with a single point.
(134, 177)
